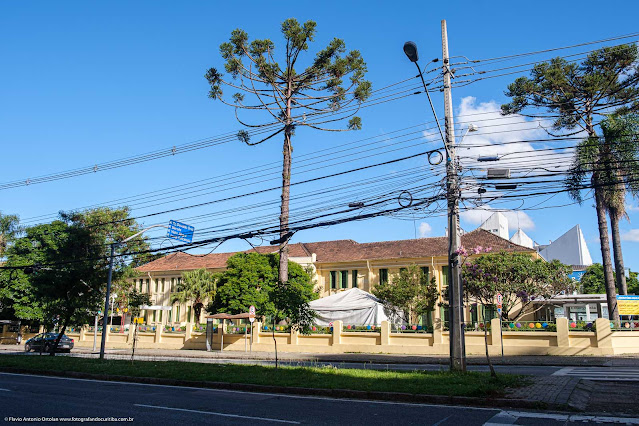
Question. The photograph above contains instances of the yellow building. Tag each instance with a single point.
(337, 266)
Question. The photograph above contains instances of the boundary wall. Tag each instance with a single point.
(601, 341)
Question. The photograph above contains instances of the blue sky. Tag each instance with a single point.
(86, 82)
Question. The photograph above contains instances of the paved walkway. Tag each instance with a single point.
(608, 361)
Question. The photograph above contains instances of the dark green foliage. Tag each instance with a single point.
(408, 294)
(592, 282)
(251, 279)
(607, 78)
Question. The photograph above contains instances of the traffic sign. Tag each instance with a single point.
(251, 313)
(499, 298)
(180, 231)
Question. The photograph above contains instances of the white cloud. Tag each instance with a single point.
(495, 131)
(632, 235)
(516, 219)
(632, 208)
(424, 229)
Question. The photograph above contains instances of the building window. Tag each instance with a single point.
(148, 285)
(383, 276)
(157, 285)
(354, 275)
(489, 312)
(170, 320)
(344, 279)
(177, 313)
(141, 283)
(160, 315)
(163, 283)
(426, 273)
(333, 279)
(172, 285)
(153, 316)
(188, 314)
(444, 276)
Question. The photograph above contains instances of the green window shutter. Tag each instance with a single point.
(148, 285)
(170, 316)
(157, 285)
(354, 278)
(177, 313)
(333, 279)
(160, 316)
(188, 314)
(344, 279)
(153, 316)
(426, 273)
(444, 276)
(383, 276)
(163, 282)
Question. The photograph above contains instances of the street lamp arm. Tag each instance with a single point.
(140, 233)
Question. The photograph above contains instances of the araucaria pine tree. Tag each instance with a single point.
(579, 96)
(330, 89)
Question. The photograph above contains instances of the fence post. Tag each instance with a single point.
(158, 333)
(188, 331)
(603, 333)
(495, 332)
(83, 331)
(257, 326)
(563, 339)
(129, 337)
(293, 340)
(337, 332)
(384, 332)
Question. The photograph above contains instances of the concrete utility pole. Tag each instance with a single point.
(455, 293)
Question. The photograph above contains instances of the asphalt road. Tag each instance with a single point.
(50, 397)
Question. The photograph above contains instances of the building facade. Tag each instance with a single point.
(336, 266)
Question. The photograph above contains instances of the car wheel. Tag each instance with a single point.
(27, 347)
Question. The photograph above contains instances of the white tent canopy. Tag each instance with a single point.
(353, 306)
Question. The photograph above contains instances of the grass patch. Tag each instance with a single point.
(414, 382)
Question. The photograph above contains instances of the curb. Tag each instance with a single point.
(333, 393)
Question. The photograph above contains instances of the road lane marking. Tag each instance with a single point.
(442, 421)
(236, 416)
(6, 390)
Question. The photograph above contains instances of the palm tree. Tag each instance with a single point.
(195, 287)
(612, 164)
(620, 137)
(9, 228)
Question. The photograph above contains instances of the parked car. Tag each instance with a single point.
(45, 342)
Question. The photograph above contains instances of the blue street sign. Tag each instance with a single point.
(576, 275)
(180, 231)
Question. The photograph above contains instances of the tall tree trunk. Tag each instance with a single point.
(274, 341)
(53, 348)
(616, 248)
(286, 191)
(490, 363)
(611, 294)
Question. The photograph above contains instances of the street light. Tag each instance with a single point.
(410, 49)
(108, 289)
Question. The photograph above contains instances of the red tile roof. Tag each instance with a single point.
(342, 251)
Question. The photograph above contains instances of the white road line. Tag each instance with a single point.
(278, 395)
(6, 390)
(237, 416)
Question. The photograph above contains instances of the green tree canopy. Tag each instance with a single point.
(408, 294)
(518, 277)
(252, 279)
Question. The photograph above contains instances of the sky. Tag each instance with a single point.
(83, 83)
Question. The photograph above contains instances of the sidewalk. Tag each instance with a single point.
(535, 360)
